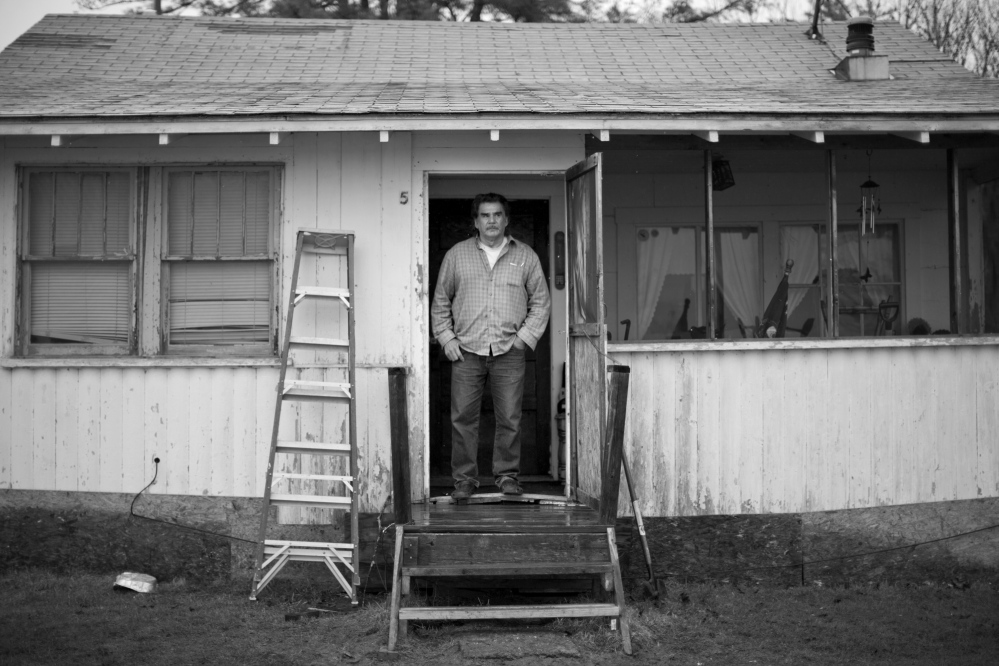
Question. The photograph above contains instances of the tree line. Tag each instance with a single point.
(967, 30)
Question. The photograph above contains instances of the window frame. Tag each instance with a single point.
(148, 277)
(25, 261)
(165, 259)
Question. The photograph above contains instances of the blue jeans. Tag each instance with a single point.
(505, 374)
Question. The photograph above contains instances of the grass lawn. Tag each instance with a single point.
(79, 619)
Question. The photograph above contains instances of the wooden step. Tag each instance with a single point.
(319, 342)
(325, 501)
(509, 569)
(314, 448)
(503, 612)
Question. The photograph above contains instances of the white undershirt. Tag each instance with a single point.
(492, 254)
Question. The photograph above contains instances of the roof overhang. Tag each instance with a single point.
(810, 126)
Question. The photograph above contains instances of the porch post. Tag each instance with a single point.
(832, 284)
(709, 223)
(957, 323)
(399, 435)
(613, 449)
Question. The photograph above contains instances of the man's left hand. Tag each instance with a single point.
(518, 343)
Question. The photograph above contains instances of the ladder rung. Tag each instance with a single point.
(487, 612)
(312, 477)
(322, 342)
(311, 500)
(312, 447)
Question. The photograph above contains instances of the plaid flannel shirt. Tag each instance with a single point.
(485, 308)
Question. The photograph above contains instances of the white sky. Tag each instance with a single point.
(19, 15)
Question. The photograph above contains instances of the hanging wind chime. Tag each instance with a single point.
(870, 201)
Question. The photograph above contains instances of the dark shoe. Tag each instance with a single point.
(463, 490)
(510, 486)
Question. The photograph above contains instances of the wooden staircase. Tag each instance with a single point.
(503, 542)
(542, 539)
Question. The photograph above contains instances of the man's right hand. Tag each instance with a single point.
(453, 350)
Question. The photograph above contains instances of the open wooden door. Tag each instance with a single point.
(587, 403)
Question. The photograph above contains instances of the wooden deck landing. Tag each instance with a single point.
(490, 514)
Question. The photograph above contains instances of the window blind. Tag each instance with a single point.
(74, 215)
(223, 214)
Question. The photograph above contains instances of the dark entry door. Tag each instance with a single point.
(451, 222)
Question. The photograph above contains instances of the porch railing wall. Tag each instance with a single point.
(785, 430)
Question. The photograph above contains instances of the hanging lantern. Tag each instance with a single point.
(721, 175)
(870, 201)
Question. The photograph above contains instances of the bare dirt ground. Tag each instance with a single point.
(80, 619)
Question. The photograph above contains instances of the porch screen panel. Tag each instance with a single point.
(221, 272)
(79, 258)
(584, 306)
(587, 330)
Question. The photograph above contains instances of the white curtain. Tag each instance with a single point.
(801, 244)
(655, 254)
(741, 274)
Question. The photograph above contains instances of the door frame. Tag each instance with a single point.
(512, 185)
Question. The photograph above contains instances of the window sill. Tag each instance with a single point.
(139, 362)
(804, 343)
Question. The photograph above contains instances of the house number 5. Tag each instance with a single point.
(404, 198)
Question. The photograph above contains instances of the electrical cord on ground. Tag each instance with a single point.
(131, 511)
(712, 573)
(804, 563)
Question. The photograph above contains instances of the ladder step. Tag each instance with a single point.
(509, 569)
(312, 477)
(278, 543)
(297, 389)
(322, 292)
(328, 501)
(312, 447)
(307, 394)
(500, 612)
(320, 342)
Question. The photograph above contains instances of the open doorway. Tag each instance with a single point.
(536, 212)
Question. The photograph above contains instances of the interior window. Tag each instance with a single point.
(78, 262)
(218, 258)
(805, 245)
(870, 284)
(671, 278)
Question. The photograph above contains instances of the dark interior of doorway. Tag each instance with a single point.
(451, 222)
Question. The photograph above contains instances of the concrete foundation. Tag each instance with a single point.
(68, 531)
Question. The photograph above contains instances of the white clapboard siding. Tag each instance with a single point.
(98, 429)
(760, 431)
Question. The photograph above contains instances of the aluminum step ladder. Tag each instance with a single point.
(340, 558)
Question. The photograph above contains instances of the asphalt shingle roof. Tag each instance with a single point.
(127, 66)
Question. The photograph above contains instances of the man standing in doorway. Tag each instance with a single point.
(491, 303)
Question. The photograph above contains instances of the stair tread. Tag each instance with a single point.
(524, 611)
(507, 568)
(301, 500)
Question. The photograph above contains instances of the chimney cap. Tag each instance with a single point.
(860, 35)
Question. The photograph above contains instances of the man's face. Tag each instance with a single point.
(491, 221)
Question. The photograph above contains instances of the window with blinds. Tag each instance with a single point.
(78, 261)
(218, 259)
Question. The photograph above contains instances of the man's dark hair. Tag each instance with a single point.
(490, 197)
